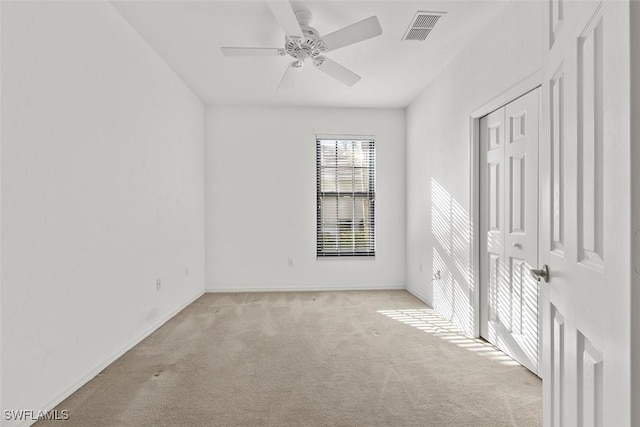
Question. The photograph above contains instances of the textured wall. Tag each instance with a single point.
(102, 194)
(438, 178)
(261, 199)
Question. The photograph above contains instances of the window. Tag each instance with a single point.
(345, 178)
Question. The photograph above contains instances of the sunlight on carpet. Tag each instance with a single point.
(429, 321)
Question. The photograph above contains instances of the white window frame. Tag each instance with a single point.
(348, 236)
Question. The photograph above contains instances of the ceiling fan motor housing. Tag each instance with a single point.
(308, 46)
(303, 48)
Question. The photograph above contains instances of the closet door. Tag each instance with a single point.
(509, 229)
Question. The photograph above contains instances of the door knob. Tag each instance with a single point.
(517, 245)
(543, 273)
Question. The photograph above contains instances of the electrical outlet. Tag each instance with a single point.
(158, 284)
(290, 262)
(420, 267)
(186, 271)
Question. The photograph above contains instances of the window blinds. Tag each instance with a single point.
(345, 177)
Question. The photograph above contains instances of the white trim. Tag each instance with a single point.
(635, 209)
(1, 406)
(339, 137)
(474, 215)
(95, 371)
(526, 85)
(308, 289)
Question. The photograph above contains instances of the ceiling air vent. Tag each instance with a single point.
(421, 25)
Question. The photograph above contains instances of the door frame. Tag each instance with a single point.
(531, 82)
(635, 207)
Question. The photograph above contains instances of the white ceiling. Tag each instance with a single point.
(188, 36)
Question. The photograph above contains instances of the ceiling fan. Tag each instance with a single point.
(304, 43)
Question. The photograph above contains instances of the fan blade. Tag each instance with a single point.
(286, 17)
(252, 51)
(289, 74)
(337, 71)
(363, 30)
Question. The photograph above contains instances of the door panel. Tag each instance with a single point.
(509, 209)
(584, 196)
(493, 208)
(556, 367)
(589, 383)
(557, 162)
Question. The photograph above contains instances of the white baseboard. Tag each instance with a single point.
(92, 373)
(241, 289)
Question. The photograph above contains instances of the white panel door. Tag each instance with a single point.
(509, 229)
(584, 225)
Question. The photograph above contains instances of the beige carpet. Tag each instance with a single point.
(308, 359)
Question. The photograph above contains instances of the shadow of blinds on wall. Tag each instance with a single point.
(345, 188)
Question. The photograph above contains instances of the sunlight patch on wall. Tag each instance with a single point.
(451, 226)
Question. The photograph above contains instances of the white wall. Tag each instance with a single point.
(438, 176)
(102, 193)
(261, 199)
